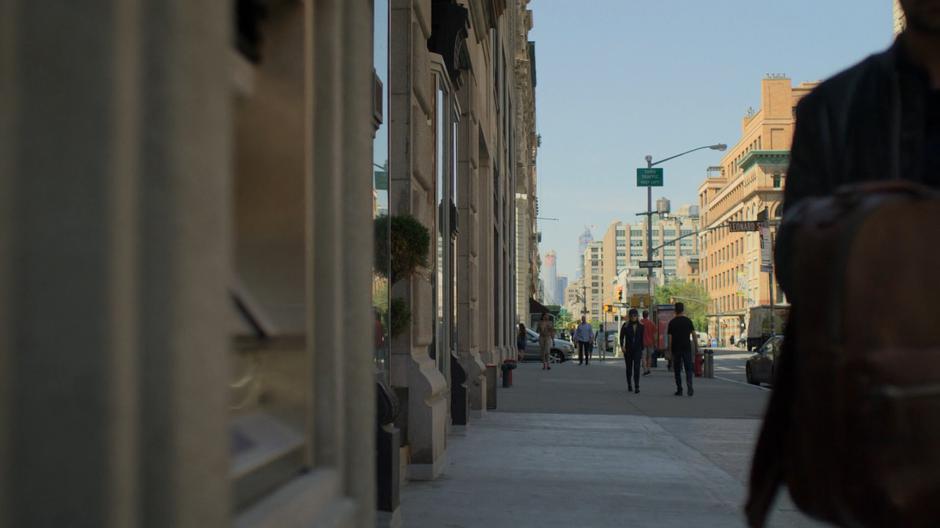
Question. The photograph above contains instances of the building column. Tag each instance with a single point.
(468, 268)
(114, 335)
(414, 374)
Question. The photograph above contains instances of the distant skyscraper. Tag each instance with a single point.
(550, 278)
(560, 287)
(583, 241)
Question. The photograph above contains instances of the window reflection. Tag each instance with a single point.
(380, 284)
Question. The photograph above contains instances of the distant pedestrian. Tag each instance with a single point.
(521, 337)
(546, 337)
(682, 339)
(583, 336)
(631, 343)
(649, 341)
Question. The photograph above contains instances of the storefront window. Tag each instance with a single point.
(445, 130)
(270, 385)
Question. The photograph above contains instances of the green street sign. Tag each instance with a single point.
(381, 180)
(649, 177)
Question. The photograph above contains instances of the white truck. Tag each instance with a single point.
(761, 326)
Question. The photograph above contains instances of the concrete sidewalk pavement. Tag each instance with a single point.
(605, 459)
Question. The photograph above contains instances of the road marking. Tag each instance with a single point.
(585, 382)
(742, 383)
(733, 356)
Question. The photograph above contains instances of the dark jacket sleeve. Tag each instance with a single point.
(808, 175)
(623, 334)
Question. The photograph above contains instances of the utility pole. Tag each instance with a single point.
(770, 279)
(649, 209)
(649, 234)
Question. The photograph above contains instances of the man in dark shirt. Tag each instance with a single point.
(682, 339)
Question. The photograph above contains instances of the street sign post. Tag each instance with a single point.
(649, 177)
(740, 226)
(766, 250)
(651, 263)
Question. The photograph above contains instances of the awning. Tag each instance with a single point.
(537, 307)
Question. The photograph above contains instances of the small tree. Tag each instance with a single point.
(692, 294)
(564, 319)
(404, 243)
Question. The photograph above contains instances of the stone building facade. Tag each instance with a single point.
(593, 263)
(748, 185)
(190, 209)
(527, 261)
(462, 162)
(186, 298)
(573, 299)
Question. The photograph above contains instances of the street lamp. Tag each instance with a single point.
(649, 209)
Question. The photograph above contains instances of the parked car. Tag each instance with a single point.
(703, 339)
(561, 350)
(760, 367)
(613, 340)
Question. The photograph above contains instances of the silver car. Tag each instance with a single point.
(561, 350)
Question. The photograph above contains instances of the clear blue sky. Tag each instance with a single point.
(619, 79)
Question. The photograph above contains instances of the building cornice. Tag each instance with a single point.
(764, 157)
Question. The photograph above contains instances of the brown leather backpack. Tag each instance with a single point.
(859, 442)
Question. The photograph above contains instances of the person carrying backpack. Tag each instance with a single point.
(851, 429)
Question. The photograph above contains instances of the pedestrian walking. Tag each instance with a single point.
(521, 337)
(583, 336)
(878, 120)
(546, 337)
(631, 343)
(649, 341)
(682, 340)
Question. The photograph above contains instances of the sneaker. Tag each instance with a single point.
(629, 388)
(691, 391)
(678, 392)
(637, 390)
(647, 373)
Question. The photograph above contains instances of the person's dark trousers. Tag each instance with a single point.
(583, 350)
(680, 359)
(588, 348)
(633, 360)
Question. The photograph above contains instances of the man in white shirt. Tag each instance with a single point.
(584, 337)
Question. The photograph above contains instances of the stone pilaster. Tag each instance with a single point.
(114, 263)
(411, 191)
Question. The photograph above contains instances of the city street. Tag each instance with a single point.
(570, 447)
(730, 365)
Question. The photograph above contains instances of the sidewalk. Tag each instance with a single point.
(605, 459)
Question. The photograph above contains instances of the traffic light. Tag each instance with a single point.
(619, 294)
